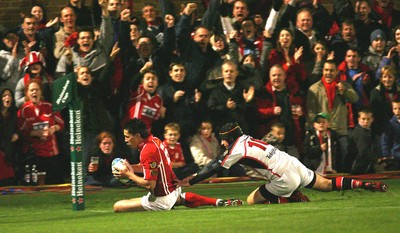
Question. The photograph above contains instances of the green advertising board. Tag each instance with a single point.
(64, 96)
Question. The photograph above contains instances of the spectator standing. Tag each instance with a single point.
(331, 96)
(84, 16)
(228, 100)
(196, 53)
(320, 146)
(8, 138)
(278, 102)
(363, 146)
(391, 138)
(33, 66)
(87, 51)
(381, 100)
(67, 30)
(376, 51)
(9, 74)
(38, 125)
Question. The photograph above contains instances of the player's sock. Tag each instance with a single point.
(194, 200)
(342, 183)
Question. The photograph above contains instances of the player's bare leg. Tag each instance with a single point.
(130, 205)
(255, 197)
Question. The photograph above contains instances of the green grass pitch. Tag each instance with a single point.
(358, 211)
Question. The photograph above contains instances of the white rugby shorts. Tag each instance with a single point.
(296, 176)
(152, 203)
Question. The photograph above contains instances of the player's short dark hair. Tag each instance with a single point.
(135, 126)
(230, 132)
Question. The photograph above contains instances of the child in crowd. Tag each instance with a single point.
(361, 144)
(204, 145)
(391, 140)
(178, 162)
(376, 50)
(276, 136)
(320, 144)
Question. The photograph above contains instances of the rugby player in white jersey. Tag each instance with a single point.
(285, 174)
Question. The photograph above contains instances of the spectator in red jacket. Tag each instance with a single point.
(38, 125)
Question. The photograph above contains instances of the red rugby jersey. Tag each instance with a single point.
(156, 165)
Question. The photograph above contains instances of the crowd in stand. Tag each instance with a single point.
(323, 86)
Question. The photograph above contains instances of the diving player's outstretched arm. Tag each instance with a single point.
(210, 169)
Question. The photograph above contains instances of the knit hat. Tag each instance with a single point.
(378, 34)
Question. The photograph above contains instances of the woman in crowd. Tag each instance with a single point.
(99, 169)
(8, 137)
(289, 57)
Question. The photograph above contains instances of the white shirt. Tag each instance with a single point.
(266, 159)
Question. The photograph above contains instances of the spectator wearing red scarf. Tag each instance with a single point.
(331, 96)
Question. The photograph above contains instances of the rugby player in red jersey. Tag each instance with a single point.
(158, 177)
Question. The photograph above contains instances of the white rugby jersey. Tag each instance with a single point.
(266, 159)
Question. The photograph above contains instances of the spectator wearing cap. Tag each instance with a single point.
(320, 146)
(33, 66)
(376, 50)
(330, 96)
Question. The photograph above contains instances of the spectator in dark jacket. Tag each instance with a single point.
(361, 144)
(320, 146)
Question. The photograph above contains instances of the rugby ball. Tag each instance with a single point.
(119, 164)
